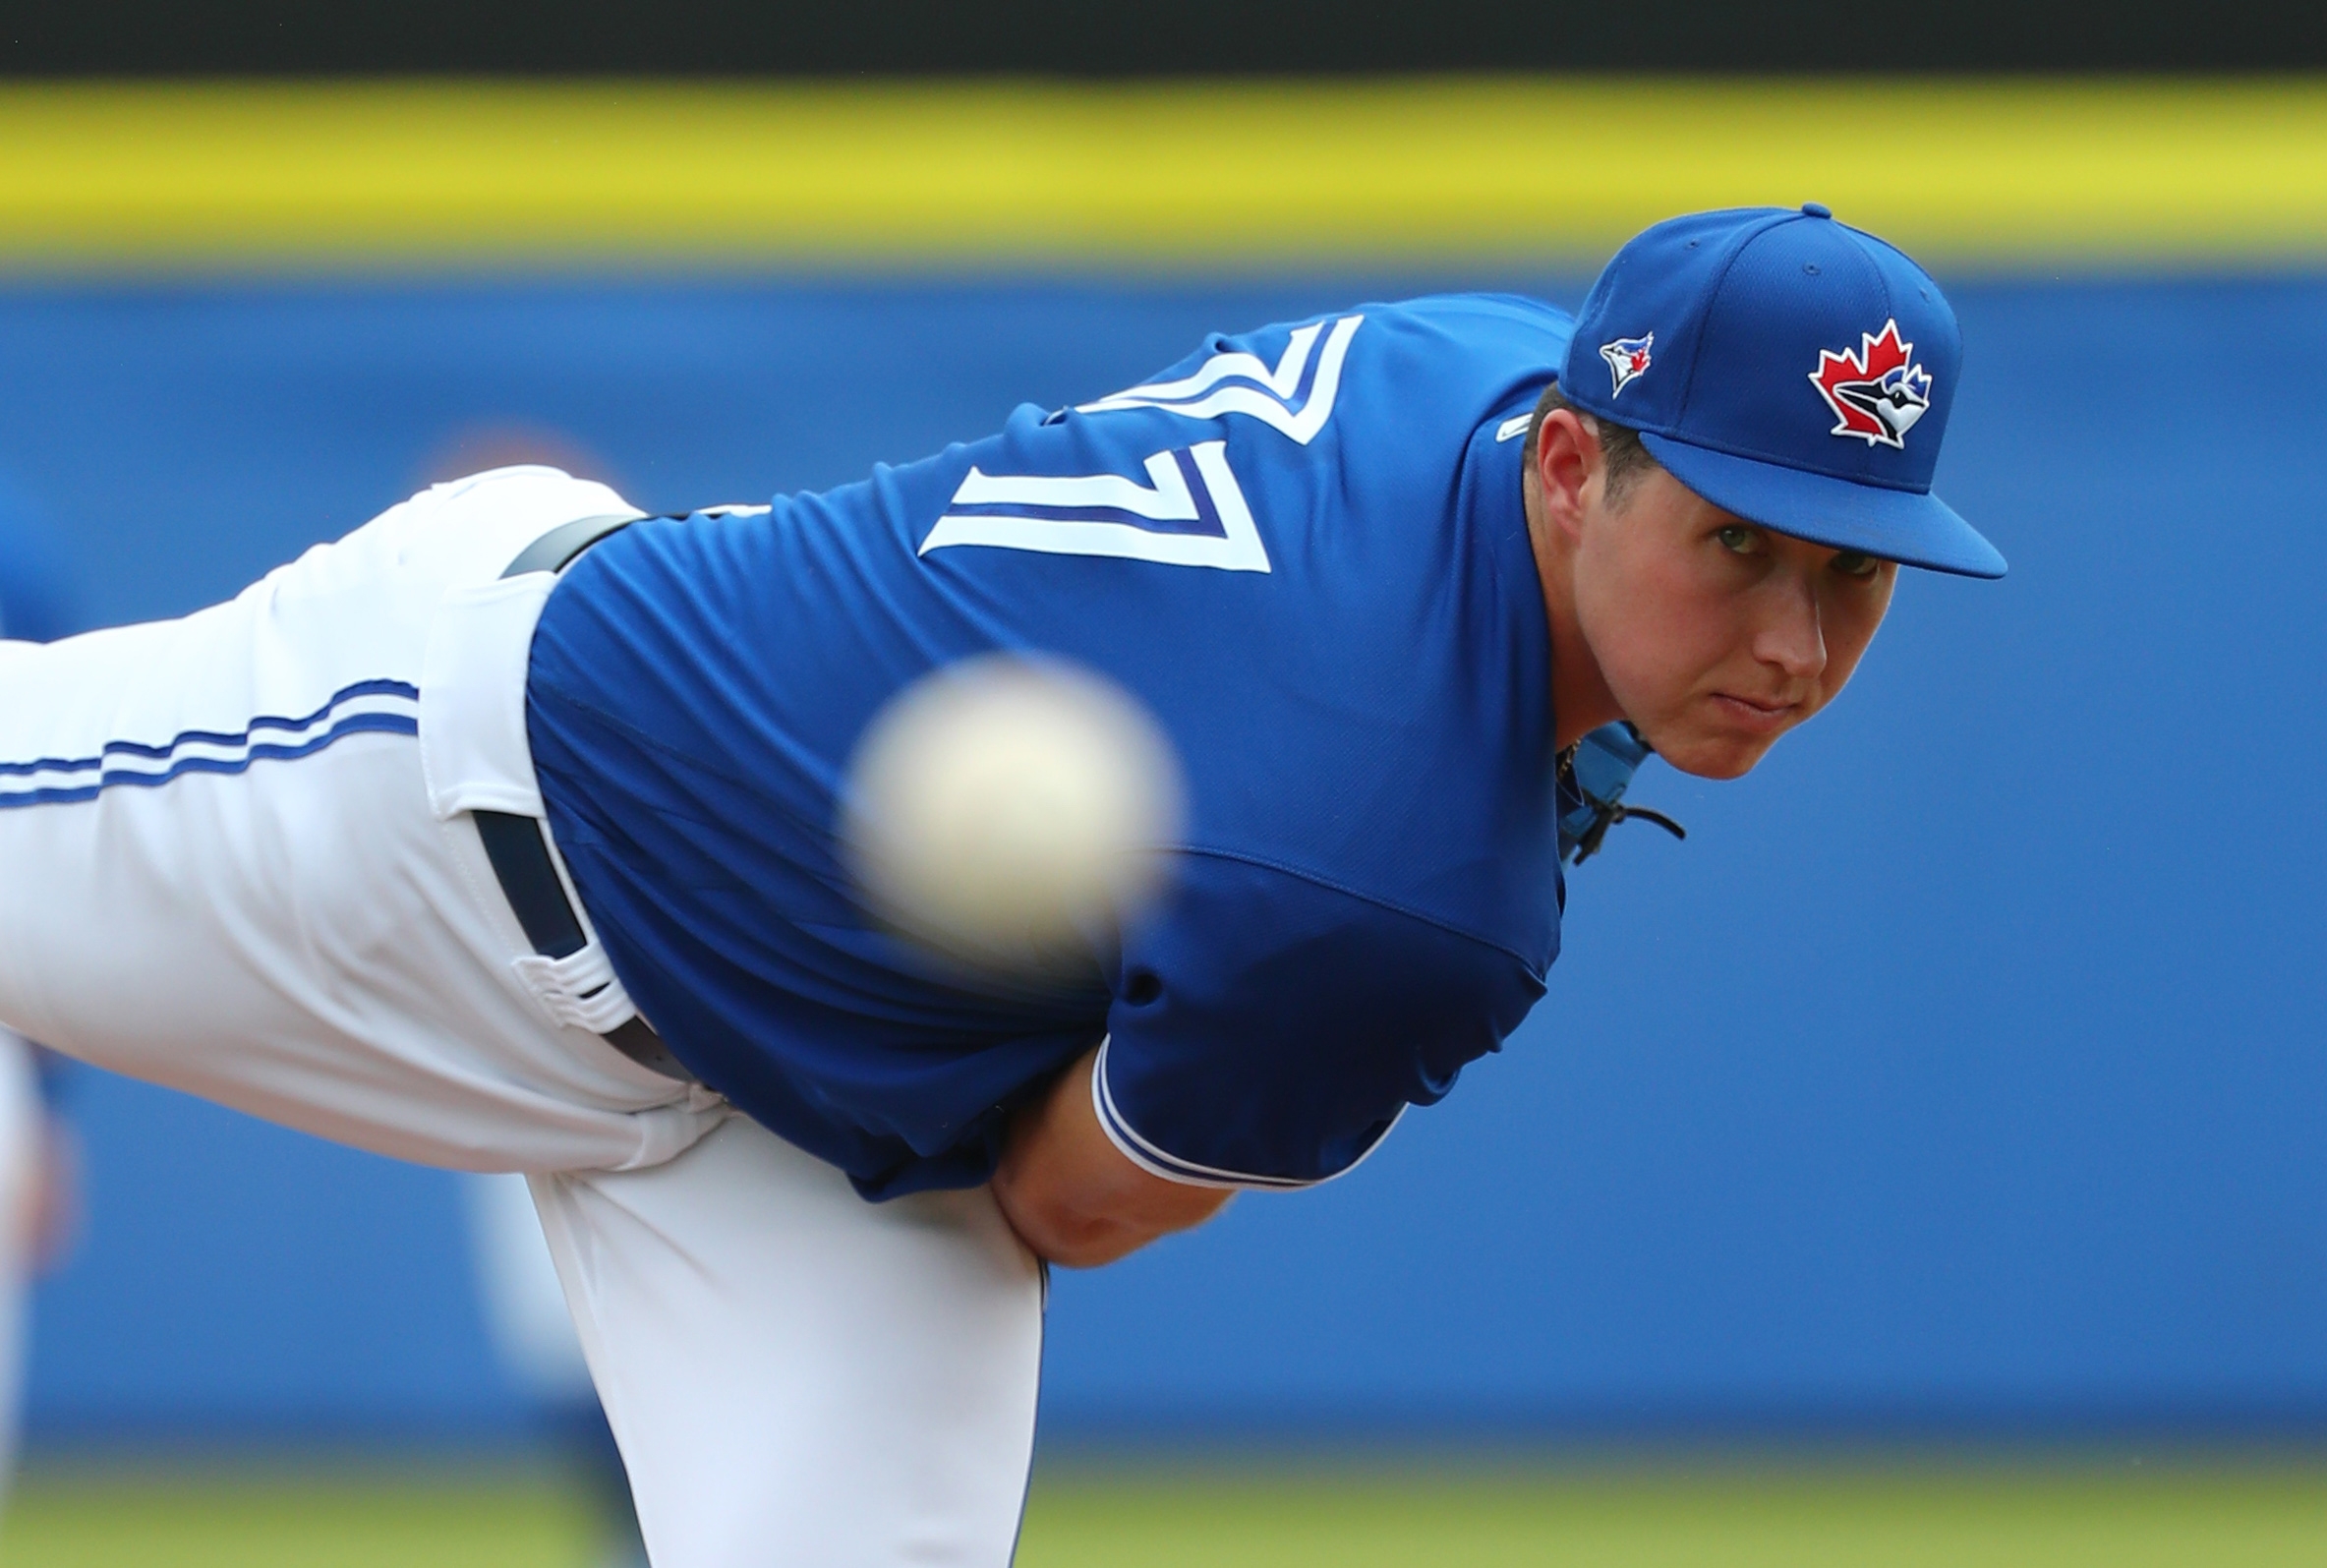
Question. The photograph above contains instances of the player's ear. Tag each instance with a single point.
(1567, 455)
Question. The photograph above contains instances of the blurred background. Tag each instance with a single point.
(1923, 1163)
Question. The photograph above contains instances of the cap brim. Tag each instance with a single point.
(1910, 528)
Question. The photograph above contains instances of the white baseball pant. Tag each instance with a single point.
(236, 858)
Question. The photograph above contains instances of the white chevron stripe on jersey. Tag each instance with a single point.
(1202, 396)
(1166, 499)
(1101, 514)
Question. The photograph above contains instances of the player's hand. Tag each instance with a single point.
(1070, 1193)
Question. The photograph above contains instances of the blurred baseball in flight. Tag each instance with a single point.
(998, 809)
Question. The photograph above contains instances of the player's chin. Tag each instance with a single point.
(1713, 751)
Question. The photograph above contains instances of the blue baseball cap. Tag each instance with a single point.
(1789, 368)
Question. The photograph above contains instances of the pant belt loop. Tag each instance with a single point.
(519, 847)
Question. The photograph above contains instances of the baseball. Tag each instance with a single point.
(1002, 806)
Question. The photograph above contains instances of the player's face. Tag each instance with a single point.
(1716, 635)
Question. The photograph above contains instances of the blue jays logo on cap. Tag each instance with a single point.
(1804, 373)
(1628, 358)
(1876, 393)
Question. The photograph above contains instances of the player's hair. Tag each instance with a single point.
(1620, 448)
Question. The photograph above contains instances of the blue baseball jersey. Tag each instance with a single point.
(1304, 550)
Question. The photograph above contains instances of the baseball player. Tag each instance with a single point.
(499, 834)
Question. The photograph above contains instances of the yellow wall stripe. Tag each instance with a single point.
(1151, 176)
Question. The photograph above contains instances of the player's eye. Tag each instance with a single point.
(1739, 539)
(1855, 564)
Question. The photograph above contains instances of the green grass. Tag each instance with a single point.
(89, 1518)
(1272, 1515)
(1798, 1517)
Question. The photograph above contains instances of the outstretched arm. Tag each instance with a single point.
(1072, 1194)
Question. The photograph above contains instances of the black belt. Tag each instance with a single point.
(519, 849)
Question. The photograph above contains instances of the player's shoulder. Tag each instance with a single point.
(1428, 369)
(1502, 326)
(1483, 306)
(1285, 356)
(1452, 310)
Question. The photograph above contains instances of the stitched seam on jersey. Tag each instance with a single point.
(1391, 904)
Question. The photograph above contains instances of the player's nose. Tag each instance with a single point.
(1790, 633)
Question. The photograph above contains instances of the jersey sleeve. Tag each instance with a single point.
(1268, 1030)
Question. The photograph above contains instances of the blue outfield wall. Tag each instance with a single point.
(1964, 1068)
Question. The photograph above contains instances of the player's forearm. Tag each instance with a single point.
(1072, 1196)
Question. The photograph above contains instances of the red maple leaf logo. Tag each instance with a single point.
(1876, 393)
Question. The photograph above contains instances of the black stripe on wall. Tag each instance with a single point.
(1091, 38)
